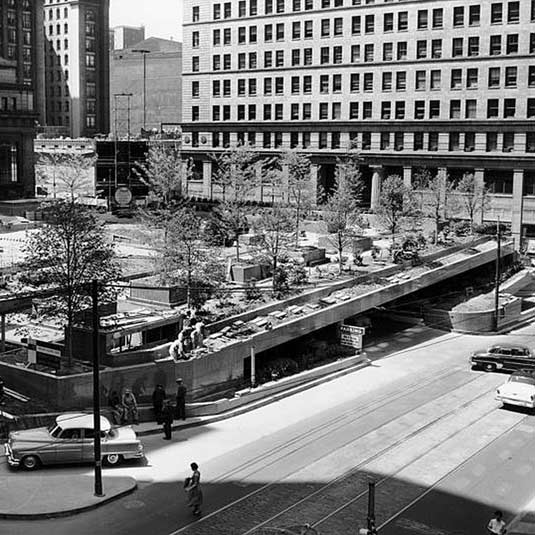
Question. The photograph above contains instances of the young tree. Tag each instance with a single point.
(473, 197)
(420, 184)
(438, 190)
(187, 261)
(300, 196)
(237, 174)
(395, 203)
(276, 226)
(341, 210)
(70, 174)
(67, 254)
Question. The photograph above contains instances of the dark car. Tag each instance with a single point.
(507, 357)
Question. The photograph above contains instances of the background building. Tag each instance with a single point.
(21, 93)
(77, 66)
(126, 36)
(151, 72)
(435, 84)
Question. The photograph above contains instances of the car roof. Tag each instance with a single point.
(510, 346)
(82, 420)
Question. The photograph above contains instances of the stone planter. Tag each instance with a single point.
(251, 239)
(360, 244)
(243, 273)
(145, 291)
(311, 254)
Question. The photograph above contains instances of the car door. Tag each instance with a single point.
(522, 358)
(506, 358)
(69, 446)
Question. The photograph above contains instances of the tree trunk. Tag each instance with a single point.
(237, 246)
(340, 252)
(297, 215)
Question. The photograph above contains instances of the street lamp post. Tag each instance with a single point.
(144, 52)
(96, 391)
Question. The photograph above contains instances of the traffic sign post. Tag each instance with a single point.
(351, 336)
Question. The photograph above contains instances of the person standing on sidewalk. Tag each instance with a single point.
(194, 491)
(129, 403)
(181, 392)
(496, 525)
(158, 397)
(167, 419)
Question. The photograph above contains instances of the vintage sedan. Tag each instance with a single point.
(519, 390)
(70, 440)
(503, 356)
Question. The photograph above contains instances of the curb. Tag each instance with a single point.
(260, 403)
(68, 512)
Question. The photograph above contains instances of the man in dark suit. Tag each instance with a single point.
(167, 419)
(181, 392)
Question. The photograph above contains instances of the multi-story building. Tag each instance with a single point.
(146, 86)
(21, 93)
(77, 65)
(122, 37)
(410, 84)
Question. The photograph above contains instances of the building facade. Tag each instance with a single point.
(146, 86)
(77, 66)
(21, 93)
(122, 37)
(410, 84)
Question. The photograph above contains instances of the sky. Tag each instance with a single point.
(161, 18)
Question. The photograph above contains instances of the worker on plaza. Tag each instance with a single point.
(130, 407)
(116, 407)
(167, 419)
(496, 525)
(181, 392)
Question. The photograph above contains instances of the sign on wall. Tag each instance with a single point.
(44, 353)
(351, 336)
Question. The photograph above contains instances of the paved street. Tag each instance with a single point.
(420, 423)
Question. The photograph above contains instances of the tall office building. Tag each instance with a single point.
(410, 84)
(77, 66)
(21, 93)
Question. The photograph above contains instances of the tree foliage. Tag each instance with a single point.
(67, 254)
(341, 210)
(395, 203)
(473, 196)
(438, 191)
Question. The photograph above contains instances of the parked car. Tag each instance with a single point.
(508, 357)
(518, 390)
(70, 440)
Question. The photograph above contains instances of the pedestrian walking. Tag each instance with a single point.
(181, 392)
(496, 524)
(158, 397)
(167, 419)
(116, 408)
(193, 490)
(130, 407)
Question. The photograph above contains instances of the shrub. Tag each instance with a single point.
(281, 284)
(489, 228)
(276, 369)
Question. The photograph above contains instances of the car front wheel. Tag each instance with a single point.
(489, 367)
(30, 462)
(113, 459)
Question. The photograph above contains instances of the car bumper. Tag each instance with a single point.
(11, 459)
(517, 402)
(135, 455)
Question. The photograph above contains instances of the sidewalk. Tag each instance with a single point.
(34, 496)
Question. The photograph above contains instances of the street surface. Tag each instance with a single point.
(443, 453)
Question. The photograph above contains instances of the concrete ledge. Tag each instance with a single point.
(28, 496)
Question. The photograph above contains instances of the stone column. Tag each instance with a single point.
(479, 176)
(314, 183)
(407, 176)
(377, 179)
(207, 179)
(517, 207)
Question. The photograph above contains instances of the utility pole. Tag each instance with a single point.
(96, 391)
(497, 277)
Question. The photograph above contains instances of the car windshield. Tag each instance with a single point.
(54, 430)
(522, 379)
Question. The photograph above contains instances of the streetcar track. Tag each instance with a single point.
(362, 410)
(372, 458)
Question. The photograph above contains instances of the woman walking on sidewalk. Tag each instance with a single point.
(194, 491)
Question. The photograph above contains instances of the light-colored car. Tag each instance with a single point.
(70, 440)
(518, 390)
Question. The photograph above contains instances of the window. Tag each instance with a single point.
(455, 109)
(308, 29)
(368, 52)
(369, 24)
(532, 43)
(419, 109)
(530, 147)
(401, 81)
(267, 112)
(387, 81)
(268, 33)
(403, 21)
(436, 77)
(511, 46)
(323, 111)
(531, 108)
(279, 58)
(454, 143)
(493, 106)
(353, 110)
(307, 85)
(400, 109)
(386, 110)
(388, 51)
(296, 57)
(366, 140)
(470, 109)
(307, 111)
(296, 30)
(531, 76)
(279, 112)
(496, 13)
(355, 25)
(336, 111)
(495, 45)
(242, 35)
(402, 50)
(510, 76)
(195, 63)
(469, 141)
(472, 77)
(509, 108)
(420, 81)
(217, 11)
(367, 110)
(355, 53)
(337, 83)
(474, 15)
(432, 143)
(422, 19)
(322, 141)
(508, 142)
(473, 46)
(436, 48)
(324, 55)
(268, 59)
(456, 79)
(418, 141)
(457, 47)
(492, 142)
(421, 49)
(388, 22)
(280, 32)
(494, 77)
(354, 82)
(385, 140)
(458, 16)
(513, 12)
(434, 109)
(227, 10)
(438, 18)
(324, 83)
(338, 26)
(368, 82)
(307, 56)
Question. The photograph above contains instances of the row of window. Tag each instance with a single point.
(424, 80)
(499, 12)
(421, 109)
(454, 141)
(368, 53)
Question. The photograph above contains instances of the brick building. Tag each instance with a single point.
(412, 84)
